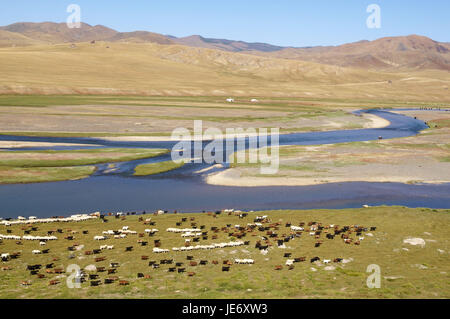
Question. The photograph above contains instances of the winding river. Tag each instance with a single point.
(184, 189)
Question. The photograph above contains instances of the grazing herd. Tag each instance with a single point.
(261, 234)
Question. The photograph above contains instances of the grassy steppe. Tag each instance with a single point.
(152, 69)
(51, 158)
(156, 168)
(97, 116)
(415, 159)
(50, 165)
(112, 116)
(16, 175)
(406, 271)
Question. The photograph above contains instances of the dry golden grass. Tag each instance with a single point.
(152, 69)
(406, 271)
(110, 115)
(18, 175)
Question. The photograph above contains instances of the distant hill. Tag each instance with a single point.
(414, 51)
(225, 45)
(155, 69)
(391, 53)
(49, 32)
(140, 37)
(8, 39)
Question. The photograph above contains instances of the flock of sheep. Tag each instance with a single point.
(262, 227)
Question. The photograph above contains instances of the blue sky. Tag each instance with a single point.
(280, 22)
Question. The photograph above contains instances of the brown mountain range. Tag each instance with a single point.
(412, 51)
(406, 52)
(225, 45)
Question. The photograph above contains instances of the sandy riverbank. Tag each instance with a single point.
(415, 159)
(373, 121)
(232, 177)
(20, 144)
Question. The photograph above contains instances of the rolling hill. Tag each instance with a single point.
(49, 58)
(11, 39)
(225, 45)
(413, 52)
(154, 69)
(52, 33)
(392, 53)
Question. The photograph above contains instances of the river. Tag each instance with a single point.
(184, 190)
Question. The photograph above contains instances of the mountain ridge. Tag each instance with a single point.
(412, 51)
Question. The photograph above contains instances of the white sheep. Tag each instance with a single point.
(244, 261)
(181, 230)
(289, 262)
(159, 250)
